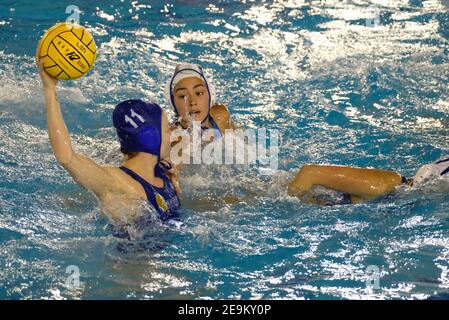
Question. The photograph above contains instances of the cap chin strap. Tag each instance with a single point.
(206, 118)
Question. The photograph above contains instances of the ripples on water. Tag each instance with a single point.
(339, 91)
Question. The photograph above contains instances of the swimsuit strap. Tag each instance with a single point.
(152, 192)
(164, 200)
(136, 177)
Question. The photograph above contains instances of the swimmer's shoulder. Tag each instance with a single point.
(124, 198)
(123, 184)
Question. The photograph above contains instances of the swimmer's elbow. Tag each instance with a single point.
(64, 159)
(63, 154)
(68, 160)
(301, 183)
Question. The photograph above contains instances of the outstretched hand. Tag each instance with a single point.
(222, 117)
(48, 81)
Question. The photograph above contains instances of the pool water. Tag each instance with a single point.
(361, 83)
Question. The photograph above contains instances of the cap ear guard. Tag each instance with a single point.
(167, 93)
(146, 140)
(138, 126)
(212, 92)
(150, 137)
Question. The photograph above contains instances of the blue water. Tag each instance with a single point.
(339, 91)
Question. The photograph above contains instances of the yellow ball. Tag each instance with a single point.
(68, 51)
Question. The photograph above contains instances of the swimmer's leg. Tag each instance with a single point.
(360, 183)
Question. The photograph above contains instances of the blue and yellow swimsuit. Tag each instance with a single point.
(165, 200)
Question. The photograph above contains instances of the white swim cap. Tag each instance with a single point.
(432, 171)
(186, 70)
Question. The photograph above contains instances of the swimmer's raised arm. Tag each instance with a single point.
(222, 117)
(363, 183)
(84, 170)
(57, 130)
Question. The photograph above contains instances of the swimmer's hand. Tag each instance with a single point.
(222, 117)
(48, 81)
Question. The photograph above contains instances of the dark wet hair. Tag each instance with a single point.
(129, 154)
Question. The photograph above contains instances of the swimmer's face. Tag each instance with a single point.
(165, 137)
(191, 99)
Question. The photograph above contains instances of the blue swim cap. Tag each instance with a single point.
(138, 126)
